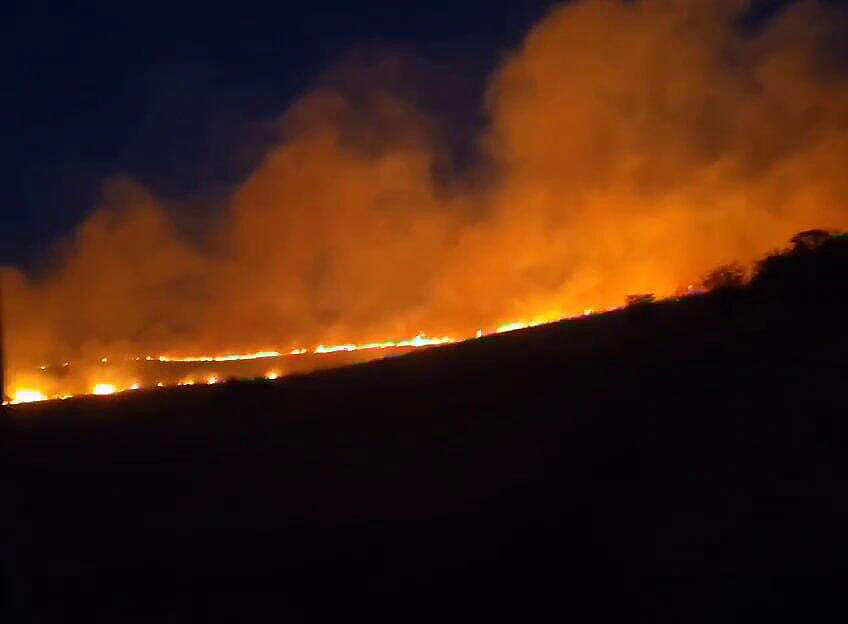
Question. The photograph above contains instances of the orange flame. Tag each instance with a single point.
(28, 395)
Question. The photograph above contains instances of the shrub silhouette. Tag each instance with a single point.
(723, 278)
(635, 300)
(815, 265)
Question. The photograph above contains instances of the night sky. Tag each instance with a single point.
(175, 95)
(178, 96)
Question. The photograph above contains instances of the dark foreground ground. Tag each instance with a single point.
(676, 462)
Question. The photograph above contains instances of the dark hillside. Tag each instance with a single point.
(677, 461)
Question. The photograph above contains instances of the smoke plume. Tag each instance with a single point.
(630, 147)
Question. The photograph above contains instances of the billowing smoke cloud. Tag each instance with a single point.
(633, 146)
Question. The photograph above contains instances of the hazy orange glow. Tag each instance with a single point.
(605, 166)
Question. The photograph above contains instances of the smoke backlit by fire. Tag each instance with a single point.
(630, 147)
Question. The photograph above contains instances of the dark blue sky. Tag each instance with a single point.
(174, 94)
(171, 93)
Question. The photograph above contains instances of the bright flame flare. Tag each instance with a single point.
(28, 396)
(103, 389)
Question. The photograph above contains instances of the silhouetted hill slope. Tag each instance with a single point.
(679, 461)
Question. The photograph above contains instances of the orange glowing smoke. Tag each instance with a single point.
(628, 147)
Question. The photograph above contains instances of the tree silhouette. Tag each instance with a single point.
(816, 265)
(810, 240)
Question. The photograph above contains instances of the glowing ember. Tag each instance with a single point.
(135, 386)
(212, 380)
(272, 375)
(103, 389)
(104, 360)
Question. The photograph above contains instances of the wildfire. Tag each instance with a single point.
(511, 327)
(421, 340)
(29, 395)
(219, 358)
(522, 325)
